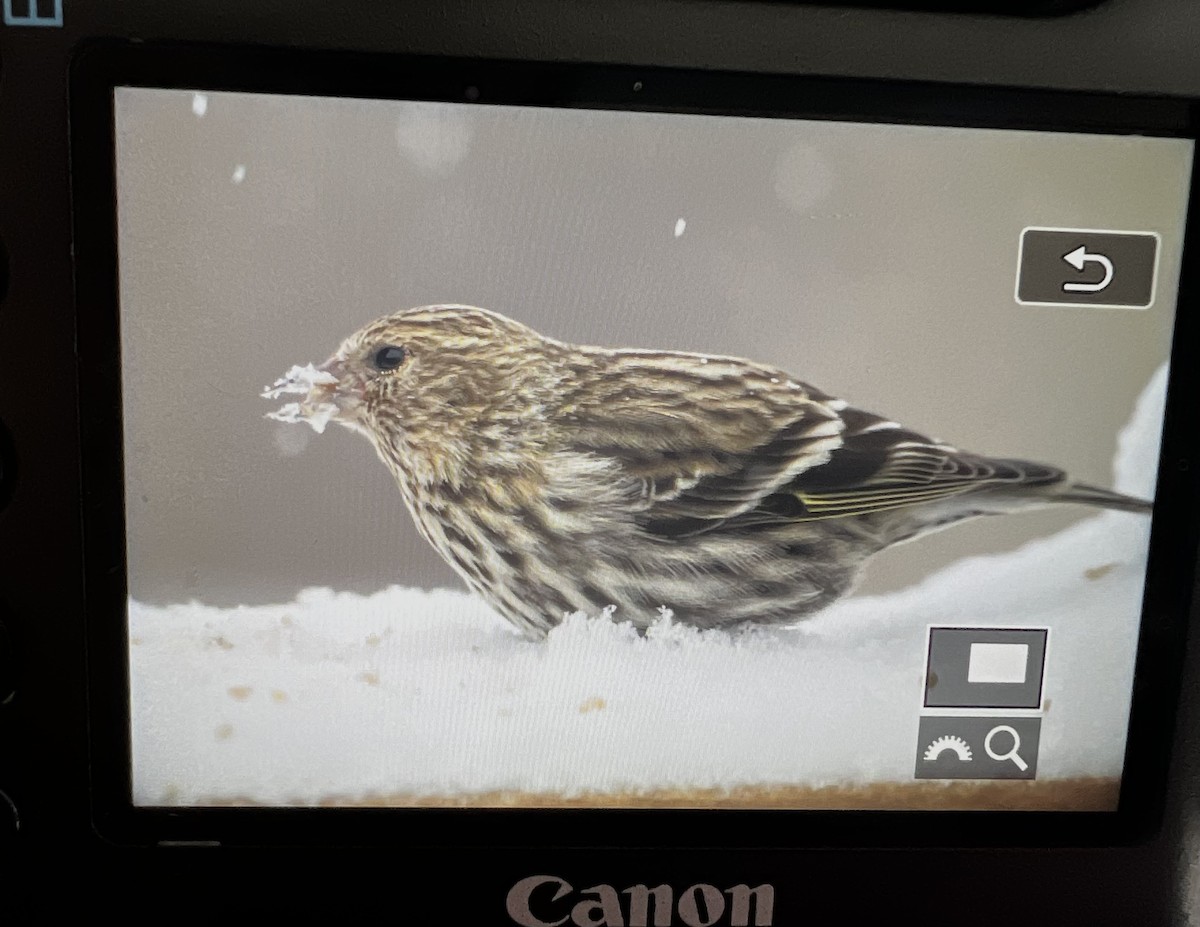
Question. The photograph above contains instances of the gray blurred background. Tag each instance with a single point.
(876, 262)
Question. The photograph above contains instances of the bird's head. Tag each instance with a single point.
(431, 387)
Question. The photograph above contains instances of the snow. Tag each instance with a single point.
(317, 416)
(680, 225)
(428, 693)
(239, 173)
(1134, 472)
(199, 103)
(297, 380)
(301, 380)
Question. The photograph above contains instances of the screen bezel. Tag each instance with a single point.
(98, 68)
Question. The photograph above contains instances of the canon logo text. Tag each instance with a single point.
(548, 901)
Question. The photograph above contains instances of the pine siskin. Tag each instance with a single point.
(556, 478)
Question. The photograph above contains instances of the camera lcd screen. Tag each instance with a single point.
(503, 456)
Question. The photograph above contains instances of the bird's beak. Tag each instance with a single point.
(325, 390)
(336, 385)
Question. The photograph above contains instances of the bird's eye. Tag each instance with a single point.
(389, 357)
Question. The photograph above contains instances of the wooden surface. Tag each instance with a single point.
(1082, 794)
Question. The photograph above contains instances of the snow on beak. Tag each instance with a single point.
(320, 388)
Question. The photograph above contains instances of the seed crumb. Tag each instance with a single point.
(278, 695)
(239, 693)
(371, 679)
(224, 732)
(1100, 571)
(595, 703)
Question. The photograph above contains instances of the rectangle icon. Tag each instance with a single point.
(1005, 663)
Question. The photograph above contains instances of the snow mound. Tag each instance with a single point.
(337, 695)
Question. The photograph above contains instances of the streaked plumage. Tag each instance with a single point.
(557, 477)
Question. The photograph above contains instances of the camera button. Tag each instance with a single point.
(8, 466)
(3, 270)
(8, 667)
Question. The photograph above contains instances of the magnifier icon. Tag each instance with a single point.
(1012, 753)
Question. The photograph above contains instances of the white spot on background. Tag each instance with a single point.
(200, 103)
(239, 173)
(803, 176)
(679, 227)
(291, 442)
(434, 138)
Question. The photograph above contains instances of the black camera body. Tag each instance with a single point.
(592, 281)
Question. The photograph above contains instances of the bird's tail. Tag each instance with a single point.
(1085, 494)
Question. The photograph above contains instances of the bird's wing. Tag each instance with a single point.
(720, 442)
(882, 465)
(706, 438)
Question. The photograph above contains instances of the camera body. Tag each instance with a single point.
(82, 364)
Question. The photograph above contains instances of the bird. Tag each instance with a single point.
(558, 478)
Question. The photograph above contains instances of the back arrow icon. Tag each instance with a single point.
(1077, 259)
